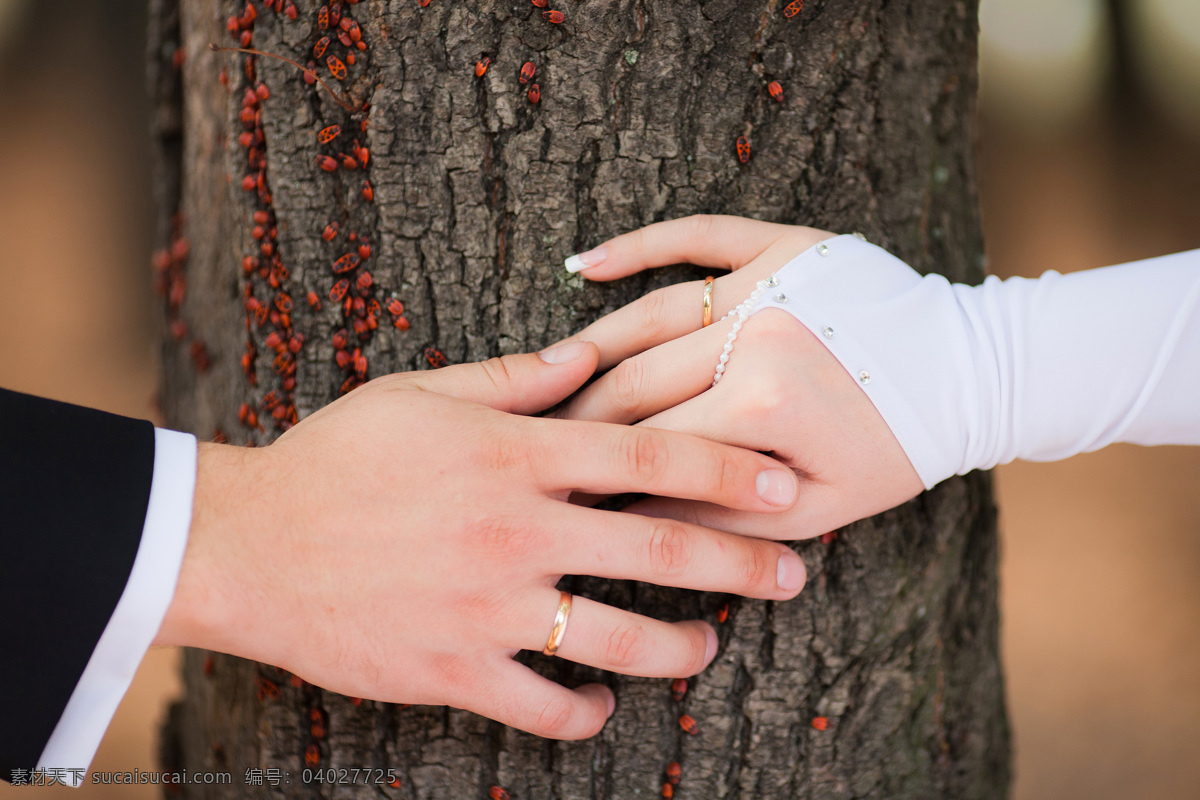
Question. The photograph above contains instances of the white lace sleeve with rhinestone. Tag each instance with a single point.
(968, 377)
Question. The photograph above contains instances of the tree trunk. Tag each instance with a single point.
(479, 195)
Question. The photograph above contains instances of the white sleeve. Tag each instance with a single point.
(968, 377)
(138, 614)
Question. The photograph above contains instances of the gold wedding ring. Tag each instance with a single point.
(560, 624)
(708, 287)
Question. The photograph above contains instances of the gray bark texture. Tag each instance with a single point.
(479, 195)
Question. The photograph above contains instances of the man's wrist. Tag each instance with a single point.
(205, 608)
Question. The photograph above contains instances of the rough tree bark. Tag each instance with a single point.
(479, 195)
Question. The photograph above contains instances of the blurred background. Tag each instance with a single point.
(1089, 155)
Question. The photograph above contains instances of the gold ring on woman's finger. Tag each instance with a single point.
(708, 287)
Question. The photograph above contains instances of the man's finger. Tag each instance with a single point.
(520, 698)
(620, 641)
(518, 384)
(652, 381)
(610, 459)
(706, 240)
(665, 551)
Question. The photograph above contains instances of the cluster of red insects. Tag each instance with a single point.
(339, 40)
(265, 265)
(170, 281)
(534, 94)
(774, 89)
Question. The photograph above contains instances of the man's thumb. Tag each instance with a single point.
(519, 384)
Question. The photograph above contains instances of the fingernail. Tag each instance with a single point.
(710, 646)
(612, 703)
(790, 572)
(584, 260)
(562, 353)
(776, 486)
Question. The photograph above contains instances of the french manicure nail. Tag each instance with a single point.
(584, 260)
(790, 572)
(562, 353)
(776, 486)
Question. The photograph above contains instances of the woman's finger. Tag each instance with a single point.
(652, 381)
(667, 552)
(661, 316)
(795, 525)
(516, 696)
(620, 641)
(612, 459)
(677, 310)
(706, 240)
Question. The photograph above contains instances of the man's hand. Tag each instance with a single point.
(403, 543)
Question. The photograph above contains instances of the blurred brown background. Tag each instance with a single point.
(1090, 155)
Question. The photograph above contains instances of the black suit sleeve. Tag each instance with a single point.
(74, 485)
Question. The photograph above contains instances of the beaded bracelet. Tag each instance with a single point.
(742, 311)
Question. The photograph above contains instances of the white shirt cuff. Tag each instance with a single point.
(139, 612)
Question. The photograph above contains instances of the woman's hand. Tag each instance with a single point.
(403, 543)
(782, 391)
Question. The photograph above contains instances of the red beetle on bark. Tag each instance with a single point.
(347, 263)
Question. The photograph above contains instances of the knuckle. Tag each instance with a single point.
(653, 311)
(497, 373)
(554, 717)
(755, 568)
(697, 648)
(637, 240)
(497, 537)
(644, 454)
(766, 401)
(625, 646)
(726, 470)
(772, 329)
(628, 384)
(702, 225)
(670, 547)
(505, 453)
(485, 606)
(454, 673)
